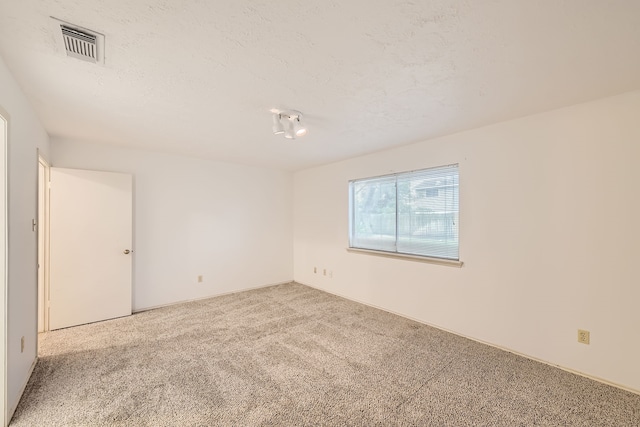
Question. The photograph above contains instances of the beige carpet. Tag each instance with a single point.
(290, 355)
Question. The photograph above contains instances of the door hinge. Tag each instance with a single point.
(34, 225)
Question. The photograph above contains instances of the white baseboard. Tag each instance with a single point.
(140, 310)
(564, 368)
(14, 406)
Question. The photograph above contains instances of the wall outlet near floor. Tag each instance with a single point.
(22, 345)
(315, 270)
(200, 279)
(583, 336)
(324, 271)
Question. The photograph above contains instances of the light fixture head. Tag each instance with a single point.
(290, 132)
(301, 129)
(277, 124)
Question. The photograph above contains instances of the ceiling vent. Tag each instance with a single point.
(80, 42)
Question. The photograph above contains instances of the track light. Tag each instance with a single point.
(289, 123)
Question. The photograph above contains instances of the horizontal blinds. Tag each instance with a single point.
(428, 207)
(414, 213)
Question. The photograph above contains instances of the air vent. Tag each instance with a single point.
(80, 44)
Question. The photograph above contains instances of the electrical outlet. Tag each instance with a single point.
(315, 270)
(583, 336)
(324, 271)
(200, 279)
(22, 345)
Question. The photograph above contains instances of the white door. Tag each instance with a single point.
(3, 270)
(42, 244)
(90, 246)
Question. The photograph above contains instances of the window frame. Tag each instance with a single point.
(396, 254)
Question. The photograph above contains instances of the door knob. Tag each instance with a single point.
(127, 251)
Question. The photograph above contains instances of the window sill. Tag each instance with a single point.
(428, 260)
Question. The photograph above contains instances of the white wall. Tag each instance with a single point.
(231, 224)
(549, 237)
(25, 136)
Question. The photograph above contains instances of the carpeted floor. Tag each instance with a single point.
(290, 355)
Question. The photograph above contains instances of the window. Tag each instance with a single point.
(412, 213)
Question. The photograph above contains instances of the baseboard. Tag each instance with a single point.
(140, 310)
(564, 368)
(13, 407)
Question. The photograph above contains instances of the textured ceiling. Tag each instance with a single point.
(199, 77)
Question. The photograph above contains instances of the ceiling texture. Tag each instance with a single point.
(199, 77)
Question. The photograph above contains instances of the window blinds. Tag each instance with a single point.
(413, 213)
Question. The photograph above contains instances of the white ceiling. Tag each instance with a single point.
(199, 77)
